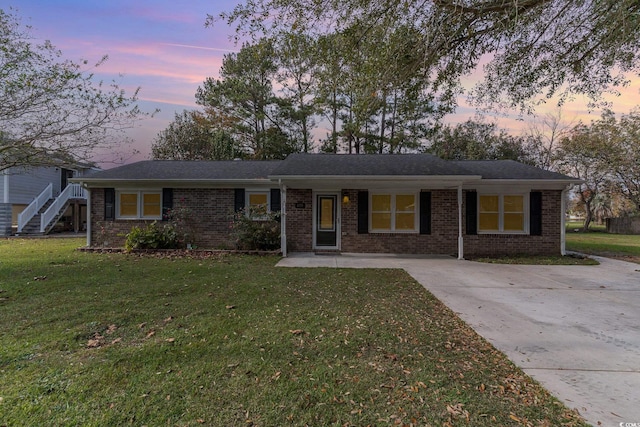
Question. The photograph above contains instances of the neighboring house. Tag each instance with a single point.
(33, 200)
(403, 203)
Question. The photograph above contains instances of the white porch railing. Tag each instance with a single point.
(72, 191)
(30, 211)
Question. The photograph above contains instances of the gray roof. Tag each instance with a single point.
(508, 169)
(197, 170)
(366, 165)
(322, 165)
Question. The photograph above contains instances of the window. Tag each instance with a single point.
(501, 213)
(139, 205)
(257, 203)
(393, 212)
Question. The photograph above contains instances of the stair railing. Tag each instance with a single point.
(72, 191)
(30, 211)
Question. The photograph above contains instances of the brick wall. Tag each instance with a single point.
(444, 230)
(512, 244)
(211, 211)
(442, 240)
(299, 220)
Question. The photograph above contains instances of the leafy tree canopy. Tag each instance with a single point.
(52, 112)
(535, 49)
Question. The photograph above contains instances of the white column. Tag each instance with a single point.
(5, 195)
(460, 239)
(563, 212)
(88, 217)
(283, 219)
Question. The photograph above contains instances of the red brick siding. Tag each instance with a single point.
(513, 244)
(211, 211)
(444, 230)
(442, 240)
(299, 221)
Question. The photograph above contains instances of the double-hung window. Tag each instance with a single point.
(502, 213)
(393, 212)
(139, 204)
(257, 204)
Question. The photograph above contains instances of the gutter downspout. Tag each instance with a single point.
(563, 218)
(283, 218)
(460, 239)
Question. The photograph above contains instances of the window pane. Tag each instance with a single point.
(257, 199)
(151, 205)
(381, 203)
(326, 213)
(514, 222)
(489, 204)
(405, 221)
(128, 204)
(381, 221)
(513, 204)
(489, 222)
(405, 203)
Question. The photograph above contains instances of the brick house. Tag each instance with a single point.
(402, 203)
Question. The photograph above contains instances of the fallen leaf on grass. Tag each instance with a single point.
(111, 329)
(150, 334)
(296, 331)
(168, 319)
(170, 340)
(230, 307)
(40, 278)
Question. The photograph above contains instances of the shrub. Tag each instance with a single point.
(152, 237)
(258, 230)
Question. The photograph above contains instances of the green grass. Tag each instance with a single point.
(540, 260)
(577, 225)
(115, 339)
(604, 244)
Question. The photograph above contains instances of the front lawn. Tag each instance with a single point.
(605, 244)
(116, 339)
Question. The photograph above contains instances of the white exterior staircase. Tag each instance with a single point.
(44, 212)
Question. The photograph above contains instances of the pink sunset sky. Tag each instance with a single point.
(163, 47)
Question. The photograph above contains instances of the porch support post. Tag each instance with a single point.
(460, 239)
(88, 216)
(5, 186)
(283, 219)
(563, 218)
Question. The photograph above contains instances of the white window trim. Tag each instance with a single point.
(416, 211)
(525, 207)
(140, 206)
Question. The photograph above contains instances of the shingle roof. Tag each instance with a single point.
(366, 165)
(189, 170)
(508, 169)
(323, 165)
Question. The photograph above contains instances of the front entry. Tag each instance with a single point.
(326, 221)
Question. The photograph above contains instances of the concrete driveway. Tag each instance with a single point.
(575, 329)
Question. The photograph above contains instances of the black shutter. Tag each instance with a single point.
(535, 213)
(167, 202)
(363, 212)
(239, 199)
(275, 200)
(472, 212)
(109, 204)
(425, 212)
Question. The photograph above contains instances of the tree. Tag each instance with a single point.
(534, 47)
(51, 110)
(194, 136)
(624, 156)
(477, 140)
(543, 137)
(243, 96)
(584, 155)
